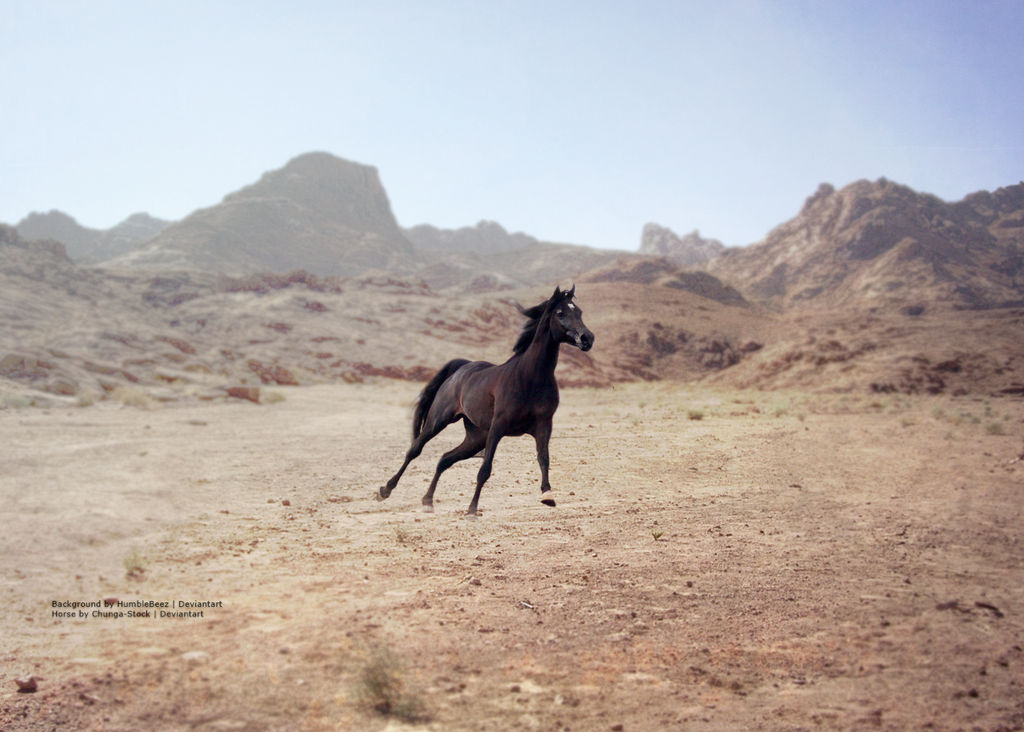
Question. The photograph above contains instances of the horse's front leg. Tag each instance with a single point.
(542, 436)
(494, 436)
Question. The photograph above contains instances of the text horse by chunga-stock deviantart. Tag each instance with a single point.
(518, 397)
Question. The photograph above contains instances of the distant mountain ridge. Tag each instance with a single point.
(328, 216)
(318, 212)
(881, 244)
(58, 226)
(873, 287)
(685, 251)
(867, 245)
(487, 237)
(90, 246)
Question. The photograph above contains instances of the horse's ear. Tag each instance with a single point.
(558, 292)
(570, 293)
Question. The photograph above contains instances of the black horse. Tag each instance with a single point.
(518, 397)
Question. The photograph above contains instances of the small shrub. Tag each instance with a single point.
(132, 396)
(380, 686)
(403, 535)
(695, 415)
(134, 564)
(88, 397)
(995, 428)
(17, 401)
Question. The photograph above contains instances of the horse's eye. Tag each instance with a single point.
(559, 312)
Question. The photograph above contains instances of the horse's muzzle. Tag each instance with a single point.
(584, 340)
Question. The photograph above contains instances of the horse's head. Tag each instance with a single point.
(566, 321)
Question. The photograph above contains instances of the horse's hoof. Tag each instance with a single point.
(381, 495)
(548, 501)
(428, 508)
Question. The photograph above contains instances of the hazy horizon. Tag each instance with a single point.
(568, 121)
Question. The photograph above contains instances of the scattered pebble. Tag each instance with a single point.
(28, 685)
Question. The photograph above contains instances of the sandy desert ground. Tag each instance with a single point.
(717, 560)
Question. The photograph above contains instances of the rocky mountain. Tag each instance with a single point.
(59, 226)
(662, 272)
(1001, 212)
(75, 334)
(524, 266)
(319, 213)
(86, 245)
(882, 245)
(326, 216)
(686, 251)
(486, 257)
(871, 288)
(29, 256)
(126, 237)
(486, 237)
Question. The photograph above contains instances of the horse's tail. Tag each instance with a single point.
(426, 397)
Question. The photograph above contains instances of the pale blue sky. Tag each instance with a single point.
(570, 121)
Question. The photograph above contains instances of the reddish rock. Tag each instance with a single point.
(273, 374)
(182, 345)
(252, 393)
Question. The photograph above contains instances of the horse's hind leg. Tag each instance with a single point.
(429, 432)
(474, 440)
(414, 451)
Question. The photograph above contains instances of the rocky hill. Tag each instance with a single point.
(883, 245)
(525, 266)
(1000, 212)
(90, 246)
(319, 213)
(85, 333)
(664, 273)
(126, 237)
(486, 257)
(870, 288)
(326, 216)
(685, 251)
(487, 237)
(59, 226)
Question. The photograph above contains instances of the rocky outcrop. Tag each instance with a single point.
(89, 246)
(663, 273)
(685, 251)
(487, 237)
(880, 244)
(319, 213)
(127, 236)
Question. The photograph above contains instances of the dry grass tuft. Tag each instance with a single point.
(381, 686)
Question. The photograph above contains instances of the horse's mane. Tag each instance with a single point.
(533, 317)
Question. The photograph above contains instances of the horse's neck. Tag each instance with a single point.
(541, 357)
